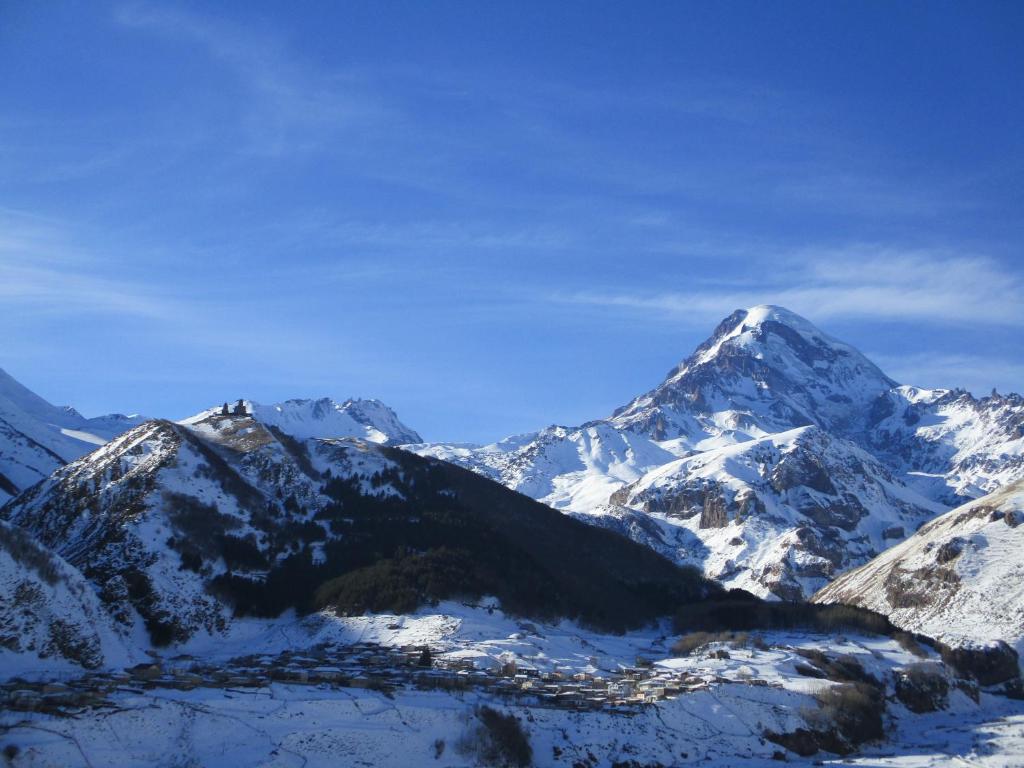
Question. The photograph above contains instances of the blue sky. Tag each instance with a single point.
(496, 216)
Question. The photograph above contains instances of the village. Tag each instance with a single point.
(369, 666)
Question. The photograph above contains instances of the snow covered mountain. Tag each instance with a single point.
(774, 457)
(959, 579)
(574, 469)
(53, 618)
(763, 370)
(778, 515)
(37, 437)
(950, 444)
(895, 455)
(368, 419)
(181, 526)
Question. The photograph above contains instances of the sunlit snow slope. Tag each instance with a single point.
(879, 459)
(37, 437)
(959, 579)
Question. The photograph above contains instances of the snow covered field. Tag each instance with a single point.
(298, 726)
(732, 698)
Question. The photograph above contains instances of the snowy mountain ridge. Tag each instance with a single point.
(765, 388)
(765, 372)
(323, 417)
(960, 578)
(779, 515)
(369, 419)
(36, 437)
(182, 527)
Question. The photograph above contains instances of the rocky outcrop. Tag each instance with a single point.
(763, 373)
(715, 513)
(804, 506)
(50, 616)
(957, 579)
(183, 527)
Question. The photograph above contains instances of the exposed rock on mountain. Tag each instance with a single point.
(780, 515)
(182, 526)
(891, 456)
(763, 370)
(367, 419)
(959, 579)
(49, 615)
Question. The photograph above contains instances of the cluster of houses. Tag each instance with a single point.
(565, 687)
(366, 665)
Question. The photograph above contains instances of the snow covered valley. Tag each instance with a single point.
(307, 583)
(328, 690)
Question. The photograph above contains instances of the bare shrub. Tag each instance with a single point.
(988, 665)
(808, 670)
(24, 549)
(452, 683)
(922, 688)
(28, 594)
(840, 669)
(853, 710)
(910, 644)
(736, 612)
(847, 716)
(497, 739)
(72, 643)
(694, 641)
(687, 644)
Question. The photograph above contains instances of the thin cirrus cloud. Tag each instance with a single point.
(975, 373)
(55, 291)
(833, 188)
(852, 283)
(290, 107)
(329, 229)
(42, 272)
(44, 275)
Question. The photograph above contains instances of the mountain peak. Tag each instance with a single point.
(760, 313)
(15, 395)
(767, 369)
(752, 330)
(783, 340)
(307, 418)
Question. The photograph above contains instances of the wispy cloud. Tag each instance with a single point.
(837, 190)
(292, 104)
(46, 290)
(854, 282)
(45, 272)
(328, 228)
(42, 272)
(290, 107)
(976, 373)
